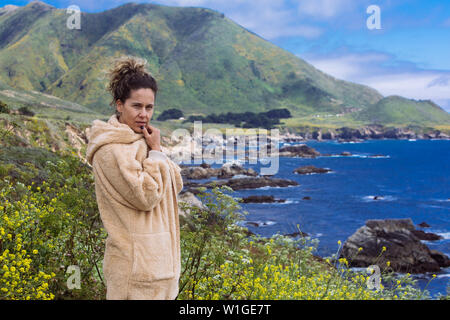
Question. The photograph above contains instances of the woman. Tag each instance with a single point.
(136, 187)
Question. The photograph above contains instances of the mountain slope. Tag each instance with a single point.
(203, 61)
(399, 110)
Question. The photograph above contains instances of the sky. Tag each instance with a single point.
(401, 48)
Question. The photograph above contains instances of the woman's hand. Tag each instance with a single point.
(152, 137)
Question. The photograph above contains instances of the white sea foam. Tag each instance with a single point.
(277, 203)
(445, 235)
(286, 202)
(268, 188)
(381, 198)
(239, 176)
(362, 156)
(261, 223)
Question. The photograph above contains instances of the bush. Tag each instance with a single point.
(221, 260)
(4, 108)
(170, 114)
(46, 228)
(25, 111)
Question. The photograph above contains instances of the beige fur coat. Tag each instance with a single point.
(136, 192)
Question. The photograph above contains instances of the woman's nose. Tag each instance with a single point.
(144, 113)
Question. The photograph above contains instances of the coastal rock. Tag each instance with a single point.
(428, 236)
(330, 135)
(301, 150)
(245, 183)
(189, 199)
(297, 234)
(262, 199)
(310, 170)
(442, 135)
(441, 258)
(230, 170)
(404, 249)
(291, 137)
(205, 171)
(346, 154)
(198, 173)
(259, 223)
(424, 225)
(399, 133)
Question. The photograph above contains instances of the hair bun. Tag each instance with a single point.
(127, 66)
(128, 69)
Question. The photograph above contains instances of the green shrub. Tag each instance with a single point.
(46, 228)
(221, 260)
(25, 111)
(4, 108)
(170, 114)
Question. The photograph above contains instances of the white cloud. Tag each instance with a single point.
(387, 75)
(324, 8)
(268, 18)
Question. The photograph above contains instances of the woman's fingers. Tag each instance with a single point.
(152, 129)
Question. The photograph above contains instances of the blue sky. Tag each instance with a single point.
(408, 56)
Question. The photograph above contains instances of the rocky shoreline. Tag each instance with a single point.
(405, 251)
(371, 132)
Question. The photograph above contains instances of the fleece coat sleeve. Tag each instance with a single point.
(178, 181)
(137, 186)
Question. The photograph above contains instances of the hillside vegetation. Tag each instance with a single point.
(204, 61)
(398, 110)
(49, 220)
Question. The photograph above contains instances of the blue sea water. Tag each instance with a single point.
(413, 178)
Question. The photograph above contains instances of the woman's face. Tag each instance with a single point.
(138, 109)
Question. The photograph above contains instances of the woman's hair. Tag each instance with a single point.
(129, 74)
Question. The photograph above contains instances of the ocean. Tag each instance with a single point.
(413, 177)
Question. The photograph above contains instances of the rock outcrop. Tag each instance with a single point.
(242, 183)
(262, 199)
(227, 171)
(373, 131)
(404, 249)
(186, 199)
(301, 150)
(311, 170)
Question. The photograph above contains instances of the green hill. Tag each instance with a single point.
(399, 110)
(204, 62)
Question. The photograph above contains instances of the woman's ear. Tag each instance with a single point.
(119, 105)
